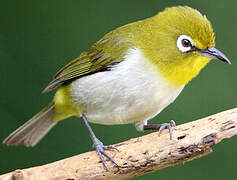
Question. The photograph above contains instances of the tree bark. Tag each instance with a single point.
(140, 155)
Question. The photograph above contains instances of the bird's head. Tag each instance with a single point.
(180, 41)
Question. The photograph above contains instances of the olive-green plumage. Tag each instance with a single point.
(105, 53)
(165, 64)
(144, 34)
(147, 35)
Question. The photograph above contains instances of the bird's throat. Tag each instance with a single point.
(180, 73)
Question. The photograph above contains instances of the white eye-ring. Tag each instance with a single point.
(185, 43)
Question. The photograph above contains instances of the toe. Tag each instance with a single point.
(172, 123)
(109, 157)
(111, 147)
(102, 158)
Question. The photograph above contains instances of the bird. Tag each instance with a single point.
(128, 76)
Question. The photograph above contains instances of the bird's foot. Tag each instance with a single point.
(169, 126)
(161, 127)
(100, 149)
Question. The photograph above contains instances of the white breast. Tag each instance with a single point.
(131, 92)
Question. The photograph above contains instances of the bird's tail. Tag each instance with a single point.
(33, 130)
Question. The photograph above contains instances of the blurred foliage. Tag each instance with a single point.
(39, 37)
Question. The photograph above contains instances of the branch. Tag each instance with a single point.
(141, 155)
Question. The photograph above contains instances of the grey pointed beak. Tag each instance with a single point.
(214, 53)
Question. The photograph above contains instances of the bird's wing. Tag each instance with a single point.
(100, 57)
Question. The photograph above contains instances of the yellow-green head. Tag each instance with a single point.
(179, 41)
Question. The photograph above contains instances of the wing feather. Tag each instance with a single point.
(100, 57)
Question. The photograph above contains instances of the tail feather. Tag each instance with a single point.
(33, 130)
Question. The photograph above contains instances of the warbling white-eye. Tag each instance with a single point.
(128, 76)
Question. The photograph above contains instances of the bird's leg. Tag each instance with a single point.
(98, 145)
(161, 127)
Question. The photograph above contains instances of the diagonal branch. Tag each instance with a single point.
(141, 155)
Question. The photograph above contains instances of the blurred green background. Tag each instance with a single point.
(38, 37)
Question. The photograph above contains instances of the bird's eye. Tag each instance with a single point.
(185, 43)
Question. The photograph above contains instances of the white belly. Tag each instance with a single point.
(132, 91)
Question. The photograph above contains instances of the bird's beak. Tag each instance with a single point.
(212, 52)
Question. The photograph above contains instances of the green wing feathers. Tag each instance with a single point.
(100, 57)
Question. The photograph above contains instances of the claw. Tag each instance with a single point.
(111, 147)
(169, 126)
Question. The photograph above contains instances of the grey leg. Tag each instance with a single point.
(161, 127)
(98, 145)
